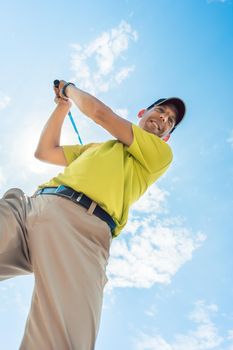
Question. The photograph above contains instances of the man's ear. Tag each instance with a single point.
(166, 138)
(141, 112)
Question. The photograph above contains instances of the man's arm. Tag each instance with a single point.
(100, 114)
(48, 148)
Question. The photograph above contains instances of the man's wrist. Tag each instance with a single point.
(66, 88)
(62, 106)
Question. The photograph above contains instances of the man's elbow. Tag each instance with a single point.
(38, 155)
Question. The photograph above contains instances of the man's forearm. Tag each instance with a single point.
(86, 103)
(51, 133)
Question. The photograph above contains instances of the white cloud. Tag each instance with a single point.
(4, 293)
(152, 249)
(2, 179)
(204, 337)
(21, 305)
(230, 139)
(96, 65)
(152, 311)
(12, 295)
(123, 74)
(230, 334)
(153, 201)
(230, 338)
(152, 343)
(123, 112)
(222, 1)
(4, 101)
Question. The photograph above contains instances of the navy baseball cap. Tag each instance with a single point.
(177, 102)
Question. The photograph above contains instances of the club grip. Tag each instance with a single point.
(56, 83)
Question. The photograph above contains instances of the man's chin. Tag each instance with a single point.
(154, 132)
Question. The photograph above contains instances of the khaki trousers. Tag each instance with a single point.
(67, 249)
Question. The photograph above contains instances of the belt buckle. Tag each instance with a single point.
(79, 197)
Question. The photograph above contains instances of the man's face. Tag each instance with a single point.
(159, 120)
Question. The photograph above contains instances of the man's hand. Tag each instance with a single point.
(59, 89)
(62, 102)
(59, 100)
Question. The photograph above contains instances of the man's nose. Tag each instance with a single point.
(164, 116)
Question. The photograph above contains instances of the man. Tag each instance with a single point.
(64, 231)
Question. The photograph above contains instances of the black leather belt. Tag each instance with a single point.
(80, 198)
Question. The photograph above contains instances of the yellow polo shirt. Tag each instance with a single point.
(113, 174)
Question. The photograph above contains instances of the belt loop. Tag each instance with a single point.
(91, 208)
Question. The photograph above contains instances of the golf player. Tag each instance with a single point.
(63, 232)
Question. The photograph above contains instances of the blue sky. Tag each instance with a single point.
(170, 271)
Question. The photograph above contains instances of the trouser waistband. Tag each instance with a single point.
(79, 198)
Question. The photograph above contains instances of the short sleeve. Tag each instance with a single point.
(149, 150)
(72, 152)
